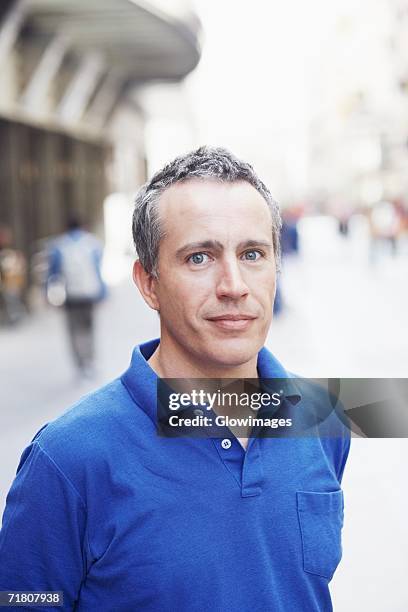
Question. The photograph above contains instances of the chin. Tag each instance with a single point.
(235, 351)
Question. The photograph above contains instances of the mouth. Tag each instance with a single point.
(232, 322)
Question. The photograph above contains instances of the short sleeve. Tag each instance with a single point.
(43, 545)
(343, 456)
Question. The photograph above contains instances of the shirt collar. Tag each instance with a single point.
(141, 380)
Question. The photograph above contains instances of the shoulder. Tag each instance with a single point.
(92, 432)
(57, 245)
(90, 239)
(320, 405)
(322, 416)
(93, 414)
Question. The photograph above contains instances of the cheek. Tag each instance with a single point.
(264, 288)
(182, 298)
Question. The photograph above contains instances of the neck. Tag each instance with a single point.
(171, 361)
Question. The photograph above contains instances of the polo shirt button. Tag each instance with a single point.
(226, 443)
(198, 412)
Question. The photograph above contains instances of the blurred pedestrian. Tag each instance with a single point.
(13, 279)
(290, 247)
(385, 225)
(75, 266)
(342, 212)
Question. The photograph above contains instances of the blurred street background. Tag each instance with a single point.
(96, 96)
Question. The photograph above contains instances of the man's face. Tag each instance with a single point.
(216, 270)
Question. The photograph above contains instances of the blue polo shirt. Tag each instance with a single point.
(121, 519)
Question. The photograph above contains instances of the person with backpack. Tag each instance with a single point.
(75, 260)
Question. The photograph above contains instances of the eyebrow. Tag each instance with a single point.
(214, 245)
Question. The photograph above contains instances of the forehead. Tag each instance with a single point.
(215, 207)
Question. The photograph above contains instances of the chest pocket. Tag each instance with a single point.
(321, 520)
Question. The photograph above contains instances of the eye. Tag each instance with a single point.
(252, 255)
(198, 258)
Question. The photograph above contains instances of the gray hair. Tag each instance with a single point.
(206, 163)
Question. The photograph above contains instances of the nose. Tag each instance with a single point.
(231, 283)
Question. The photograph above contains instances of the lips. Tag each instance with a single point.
(231, 317)
(232, 321)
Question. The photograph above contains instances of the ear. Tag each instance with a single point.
(146, 284)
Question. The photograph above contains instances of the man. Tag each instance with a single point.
(75, 260)
(119, 518)
(13, 279)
